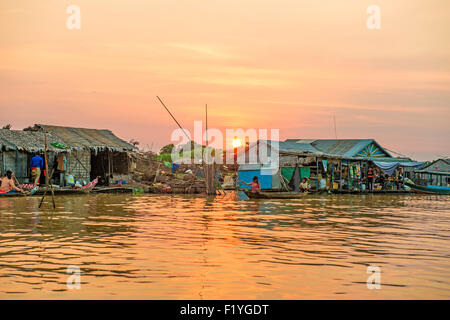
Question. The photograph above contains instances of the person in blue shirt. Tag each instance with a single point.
(36, 164)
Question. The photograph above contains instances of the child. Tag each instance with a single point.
(256, 186)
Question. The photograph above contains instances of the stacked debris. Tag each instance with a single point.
(158, 176)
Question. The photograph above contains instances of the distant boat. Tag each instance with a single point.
(427, 189)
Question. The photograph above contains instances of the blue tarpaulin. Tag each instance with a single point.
(175, 166)
(247, 176)
(389, 167)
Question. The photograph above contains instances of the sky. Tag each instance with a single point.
(293, 65)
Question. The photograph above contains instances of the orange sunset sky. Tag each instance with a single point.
(287, 64)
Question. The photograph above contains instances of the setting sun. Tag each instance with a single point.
(236, 143)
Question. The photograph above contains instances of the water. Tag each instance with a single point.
(185, 247)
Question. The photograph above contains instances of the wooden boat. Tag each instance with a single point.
(275, 195)
(18, 194)
(427, 189)
(63, 191)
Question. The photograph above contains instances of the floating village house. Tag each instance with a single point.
(18, 147)
(326, 162)
(435, 173)
(86, 153)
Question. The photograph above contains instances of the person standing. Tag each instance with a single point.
(36, 165)
(370, 179)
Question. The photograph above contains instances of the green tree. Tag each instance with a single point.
(167, 149)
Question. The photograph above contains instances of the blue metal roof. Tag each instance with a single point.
(363, 149)
(298, 145)
(343, 147)
(346, 148)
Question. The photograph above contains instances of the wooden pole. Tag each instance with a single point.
(179, 125)
(45, 159)
(317, 174)
(47, 177)
(205, 166)
(332, 176)
(360, 176)
(209, 169)
(109, 169)
(45, 192)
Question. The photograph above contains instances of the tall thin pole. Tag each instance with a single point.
(45, 159)
(179, 125)
(209, 169)
(205, 166)
(47, 177)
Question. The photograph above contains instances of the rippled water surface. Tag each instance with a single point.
(182, 247)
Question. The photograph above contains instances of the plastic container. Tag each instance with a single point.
(70, 180)
(322, 183)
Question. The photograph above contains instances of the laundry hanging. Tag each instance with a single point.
(324, 162)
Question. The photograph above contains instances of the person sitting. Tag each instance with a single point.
(256, 186)
(304, 186)
(7, 184)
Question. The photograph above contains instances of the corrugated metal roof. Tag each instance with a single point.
(299, 145)
(429, 165)
(343, 148)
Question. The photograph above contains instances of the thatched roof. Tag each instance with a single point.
(29, 141)
(93, 139)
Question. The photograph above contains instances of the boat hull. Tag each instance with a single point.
(275, 195)
(427, 190)
(30, 193)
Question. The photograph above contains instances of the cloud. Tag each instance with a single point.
(202, 49)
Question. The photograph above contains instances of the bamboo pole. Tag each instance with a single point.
(179, 125)
(45, 159)
(47, 177)
(317, 174)
(45, 193)
(209, 169)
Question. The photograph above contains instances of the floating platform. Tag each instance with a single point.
(370, 192)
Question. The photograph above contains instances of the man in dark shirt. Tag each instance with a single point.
(36, 164)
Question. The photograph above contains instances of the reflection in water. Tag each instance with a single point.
(167, 247)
